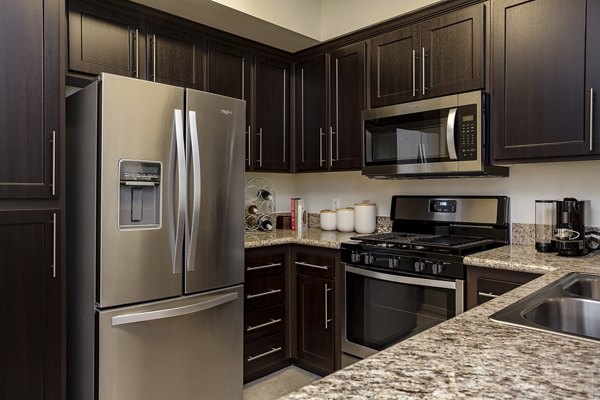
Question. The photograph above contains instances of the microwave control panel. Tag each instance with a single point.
(468, 138)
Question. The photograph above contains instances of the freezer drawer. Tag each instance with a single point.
(187, 348)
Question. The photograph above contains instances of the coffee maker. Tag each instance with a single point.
(572, 216)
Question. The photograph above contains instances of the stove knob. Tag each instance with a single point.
(369, 259)
(437, 268)
(355, 257)
(393, 262)
(420, 266)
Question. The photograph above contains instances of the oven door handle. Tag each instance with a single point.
(402, 278)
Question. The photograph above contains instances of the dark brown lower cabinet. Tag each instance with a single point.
(266, 346)
(317, 305)
(484, 284)
(30, 306)
(315, 316)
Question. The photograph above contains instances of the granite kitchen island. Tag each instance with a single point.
(471, 356)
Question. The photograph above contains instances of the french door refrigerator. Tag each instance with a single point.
(155, 190)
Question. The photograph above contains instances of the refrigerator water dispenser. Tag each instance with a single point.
(139, 194)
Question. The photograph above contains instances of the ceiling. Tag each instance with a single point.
(290, 25)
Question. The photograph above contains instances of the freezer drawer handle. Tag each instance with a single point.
(325, 267)
(271, 322)
(252, 296)
(173, 312)
(273, 350)
(263, 267)
(490, 295)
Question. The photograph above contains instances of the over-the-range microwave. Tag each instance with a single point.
(438, 137)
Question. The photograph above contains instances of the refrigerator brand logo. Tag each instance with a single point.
(227, 112)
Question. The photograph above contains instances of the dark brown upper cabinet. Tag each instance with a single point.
(440, 56)
(29, 99)
(271, 139)
(229, 71)
(545, 75)
(30, 304)
(105, 40)
(394, 64)
(311, 114)
(174, 57)
(330, 95)
(347, 100)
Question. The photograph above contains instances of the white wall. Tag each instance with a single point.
(303, 16)
(526, 183)
(339, 17)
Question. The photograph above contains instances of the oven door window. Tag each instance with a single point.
(380, 313)
(418, 138)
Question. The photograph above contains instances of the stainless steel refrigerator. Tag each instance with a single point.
(155, 189)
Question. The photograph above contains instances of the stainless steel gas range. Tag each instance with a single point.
(401, 283)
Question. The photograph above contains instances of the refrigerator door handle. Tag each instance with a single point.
(195, 223)
(178, 224)
(173, 312)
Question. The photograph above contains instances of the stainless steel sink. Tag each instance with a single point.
(588, 287)
(569, 306)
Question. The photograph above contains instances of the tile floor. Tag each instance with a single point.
(278, 384)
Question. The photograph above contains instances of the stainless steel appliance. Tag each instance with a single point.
(444, 136)
(401, 283)
(155, 200)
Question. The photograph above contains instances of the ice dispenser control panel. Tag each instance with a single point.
(139, 194)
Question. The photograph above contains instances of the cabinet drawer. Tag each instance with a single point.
(264, 292)
(260, 266)
(265, 322)
(264, 352)
(315, 264)
(488, 289)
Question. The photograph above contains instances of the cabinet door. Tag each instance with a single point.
(347, 102)
(311, 114)
(453, 46)
(229, 75)
(175, 58)
(592, 88)
(104, 40)
(315, 316)
(29, 98)
(30, 306)
(394, 67)
(538, 79)
(271, 132)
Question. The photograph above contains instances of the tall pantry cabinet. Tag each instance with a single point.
(32, 301)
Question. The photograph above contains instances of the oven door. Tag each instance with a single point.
(382, 309)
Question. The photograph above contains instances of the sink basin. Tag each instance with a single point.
(576, 316)
(587, 286)
(569, 306)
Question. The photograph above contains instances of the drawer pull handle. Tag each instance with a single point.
(252, 296)
(263, 267)
(325, 267)
(271, 322)
(489, 295)
(273, 350)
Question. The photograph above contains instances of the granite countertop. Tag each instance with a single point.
(471, 356)
(309, 237)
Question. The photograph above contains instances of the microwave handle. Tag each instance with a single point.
(450, 134)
